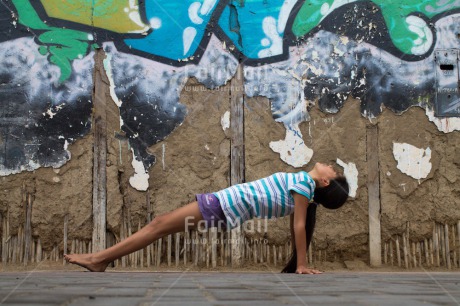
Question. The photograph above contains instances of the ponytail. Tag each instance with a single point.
(332, 197)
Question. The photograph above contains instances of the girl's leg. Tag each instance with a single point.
(162, 225)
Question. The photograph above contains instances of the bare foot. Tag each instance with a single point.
(86, 261)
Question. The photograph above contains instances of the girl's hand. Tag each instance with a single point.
(305, 270)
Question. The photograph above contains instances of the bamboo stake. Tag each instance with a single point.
(274, 255)
(414, 257)
(454, 250)
(169, 249)
(436, 245)
(72, 246)
(197, 249)
(427, 257)
(398, 251)
(265, 248)
(214, 247)
(39, 250)
(159, 253)
(391, 252)
(32, 252)
(458, 237)
(442, 244)
(228, 251)
(261, 251)
(187, 243)
(3, 238)
(56, 253)
(385, 253)
(268, 254)
(207, 246)
(406, 259)
(123, 235)
(20, 244)
(28, 233)
(447, 248)
(177, 248)
(15, 248)
(430, 243)
(409, 259)
(66, 224)
(419, 254)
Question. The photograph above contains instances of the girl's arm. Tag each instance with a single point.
(300, 216)
(300, 236)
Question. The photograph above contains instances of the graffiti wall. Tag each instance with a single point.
(387, 54)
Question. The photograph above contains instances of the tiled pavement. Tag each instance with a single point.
(225, 288)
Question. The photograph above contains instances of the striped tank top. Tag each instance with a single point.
(269, 197)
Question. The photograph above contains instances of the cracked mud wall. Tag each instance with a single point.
(423, 201)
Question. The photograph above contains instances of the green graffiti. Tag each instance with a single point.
(409, 33)
(62, 46)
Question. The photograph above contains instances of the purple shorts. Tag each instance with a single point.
(211, 210)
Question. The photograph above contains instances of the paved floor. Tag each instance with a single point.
(213, 288)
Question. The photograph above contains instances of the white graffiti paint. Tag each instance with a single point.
(188, 37)
(225, 120)
(292, 149)
(273, 40)
(425, 38)
(411, 160)
(351, 173)
(140, 178)
(133, 13)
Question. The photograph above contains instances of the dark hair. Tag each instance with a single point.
(332, 196)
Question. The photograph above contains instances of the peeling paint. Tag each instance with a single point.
(140, 179)
(411, 160)
(351, 173)
(445, 125)
(225, 120)
(292, 149)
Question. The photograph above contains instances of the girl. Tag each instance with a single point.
(277, 195)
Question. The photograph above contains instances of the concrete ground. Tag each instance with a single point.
(228, 288)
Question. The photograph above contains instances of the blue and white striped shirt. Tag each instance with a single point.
(269, 197)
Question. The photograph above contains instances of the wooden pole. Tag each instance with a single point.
(427, 256)
(406, 257)
(214, 247)
(436, 244)
(39, 250)
(177, 248)
(99, 152)
(398, 251)
(28, 229)
(187, 243)
(169, 249)
(237, 165)
(442, 244)
(391, 252)
(447, 248)
(66, 224)
(373, 187)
